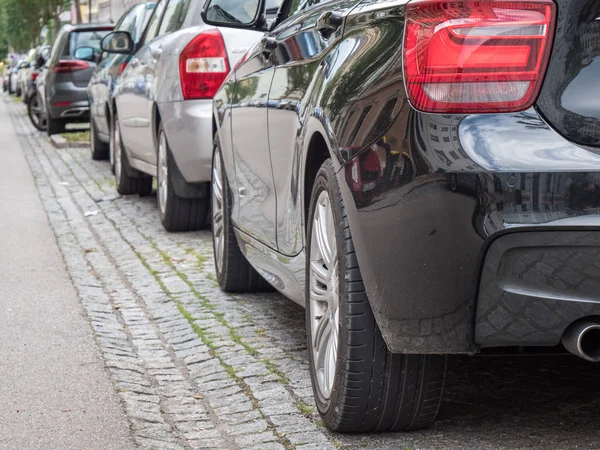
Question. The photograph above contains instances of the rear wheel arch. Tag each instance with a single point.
(107, 113)
(156, 121)
(317, 153)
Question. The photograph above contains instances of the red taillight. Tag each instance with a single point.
(122, 67)
(475, 55)
(34, 76)
(203, 66)
(69, 65)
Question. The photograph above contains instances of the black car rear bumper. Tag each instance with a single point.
(475, 231)
(535, 284)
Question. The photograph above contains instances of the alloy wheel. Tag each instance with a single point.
(218, 208)
(324, 295)
(92, 140)
(163, 173)
(117, 155)
(111, 150)
(36, 113)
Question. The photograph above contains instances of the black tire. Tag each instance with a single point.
(98, 149)
(10, 91)
(129, 181)
(54, 126)
(35, 114)
(372, 389)
(176, 213)
(234, 272)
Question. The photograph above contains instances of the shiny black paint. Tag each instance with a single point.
(425, 194)
(558, 266)
(569, 97)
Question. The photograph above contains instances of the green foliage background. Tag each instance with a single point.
(21, 22)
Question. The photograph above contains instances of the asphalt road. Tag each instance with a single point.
(54, 390)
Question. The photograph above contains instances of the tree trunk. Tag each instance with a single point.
(78, 18)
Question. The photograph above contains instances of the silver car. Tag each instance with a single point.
(162, 122)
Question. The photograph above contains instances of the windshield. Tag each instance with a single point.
(86, 38)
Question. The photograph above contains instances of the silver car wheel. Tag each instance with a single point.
(218, 209)
(36, 112)
(324, 295)
(92, 140)
(163, 173)
(111, 150)
(118, 164)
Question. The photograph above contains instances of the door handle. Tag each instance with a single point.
(329, 22)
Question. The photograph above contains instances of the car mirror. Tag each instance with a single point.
(234, 13)
(85, 53)
(118, 42)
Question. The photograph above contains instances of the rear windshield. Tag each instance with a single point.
(86, 38)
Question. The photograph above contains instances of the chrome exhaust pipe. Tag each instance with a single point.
(583, 339)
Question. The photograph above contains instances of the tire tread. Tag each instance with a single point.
(238, 275)
(375, 390)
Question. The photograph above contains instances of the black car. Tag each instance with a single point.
(104, 79)
(63, 87)
(435, 189)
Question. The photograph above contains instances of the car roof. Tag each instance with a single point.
(89, 26)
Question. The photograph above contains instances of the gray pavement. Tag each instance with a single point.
(196, 368)
(54, 390)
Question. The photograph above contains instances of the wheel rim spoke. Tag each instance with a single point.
(92, 143)
(218, 210)
(163, 173)
(324, 295)
(322, 229)
(117, 151)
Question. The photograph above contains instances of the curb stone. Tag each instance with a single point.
(58, 141)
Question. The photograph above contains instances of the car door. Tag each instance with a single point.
(136, 89)
(256, 205)
(304, 45)
(98, 93)
(110, 66)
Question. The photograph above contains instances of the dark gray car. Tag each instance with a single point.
(73, 59)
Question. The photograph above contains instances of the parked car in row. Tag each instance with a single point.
(161, 109)
(62, 86)
(504, 254)
(13, 78)
(30, 73)
(35, 109)
(5, 72)
(104, 79)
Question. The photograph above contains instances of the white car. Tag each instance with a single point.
(162, 109)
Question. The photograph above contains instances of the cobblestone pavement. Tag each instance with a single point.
(197, 368)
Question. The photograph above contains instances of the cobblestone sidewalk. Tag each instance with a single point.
(197, 368)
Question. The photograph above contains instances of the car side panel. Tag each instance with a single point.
(98, 92)
(302, 58)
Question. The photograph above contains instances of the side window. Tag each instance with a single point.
(172, 19)
(152, 30)
(144, 19)
(184, 10)
(129, 22)
(297, 6)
